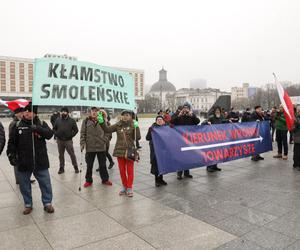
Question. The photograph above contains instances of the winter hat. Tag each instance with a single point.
(126, 111)
(31, 108)
(187, 105)
(64, 109)
(19, 110)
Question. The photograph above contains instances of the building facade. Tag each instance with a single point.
(240, 92)
(16, 77)
(200, 99)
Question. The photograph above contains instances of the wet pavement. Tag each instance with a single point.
(248, 205)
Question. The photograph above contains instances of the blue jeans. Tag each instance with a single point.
(44, 181)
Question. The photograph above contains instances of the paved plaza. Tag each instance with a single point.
(248, 205)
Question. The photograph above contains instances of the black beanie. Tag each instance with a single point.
(64, 109)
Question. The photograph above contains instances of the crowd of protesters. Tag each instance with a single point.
(27, 151)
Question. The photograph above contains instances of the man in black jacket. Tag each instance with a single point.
(2, 138)
(65, 128)
(185, 117)
(28, 151)
(18, 115)
(247, 115)
(257, 116)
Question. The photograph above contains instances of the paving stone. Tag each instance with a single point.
(79, 230)
(294, 246)
(27, 238)
(121, 242)
(239, 244)
(183, 232)
(269, 239)
(235, 226)
(256, 217)
(12, 217)
(272, 208)
(135, 214)
(288, 227)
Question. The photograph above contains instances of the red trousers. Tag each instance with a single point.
(126, 171)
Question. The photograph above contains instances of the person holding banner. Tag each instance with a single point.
(93, 140)
(2, 138)
(18, 115)
(257, 116)
(27, 149)
(185, 117)
(127, 133)
(281, 135)
(216, 118)
(159, 181)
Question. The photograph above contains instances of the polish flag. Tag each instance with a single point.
(286, 104)
(15, 104)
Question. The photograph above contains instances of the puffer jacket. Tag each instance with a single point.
(123, 130)
(2, 138)
(92, 136)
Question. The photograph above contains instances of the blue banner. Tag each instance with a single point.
(185, 147)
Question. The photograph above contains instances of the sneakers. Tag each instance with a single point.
(27, 210)
(217, 169)
(87, 184)
(61, 170)
(129, 192)
(285, 157)
(123, 191)
(49, 209)
(111, 165)
(76, 170)
(108, 183)
(260, 158)
(188, 176)
(254, 158)
(278, 156)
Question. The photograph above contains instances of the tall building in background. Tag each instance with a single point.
(138, 79)
(16, 77)
(240, 92)
(198, 83)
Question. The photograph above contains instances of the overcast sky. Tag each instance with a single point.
(226, 42)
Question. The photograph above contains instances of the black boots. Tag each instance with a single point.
(159, 181)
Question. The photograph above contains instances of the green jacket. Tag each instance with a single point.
(92, 136)
(123, 130)
(280, 122)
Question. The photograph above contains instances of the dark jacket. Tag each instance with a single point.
(246, 116)
(123, 130)
(20, 147)
(153, 162)
(2, 138)
(185, 120)
(234, 116)
(53, 118)
(297, 130)
(217, 120)
(65, 128)
(92, 136)
(257, 117)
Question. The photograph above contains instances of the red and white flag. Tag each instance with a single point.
(287, 105)
(15, 104)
